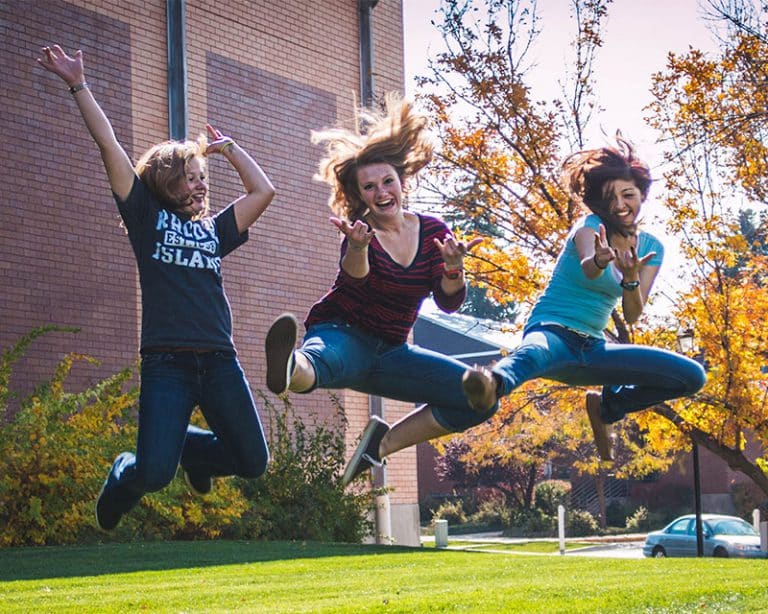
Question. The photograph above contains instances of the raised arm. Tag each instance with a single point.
(116, 162)
(259, 190)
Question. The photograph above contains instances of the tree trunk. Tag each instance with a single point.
(735, 458)
(600, 489)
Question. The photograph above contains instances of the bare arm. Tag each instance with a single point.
(117, 164)
(453, 253)
(259, 190)
(355, 259)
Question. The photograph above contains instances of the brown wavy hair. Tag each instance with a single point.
(397, 136)
(589, 176)
(163, 168)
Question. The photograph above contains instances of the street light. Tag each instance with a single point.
(686, 342)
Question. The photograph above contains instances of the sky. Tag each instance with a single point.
(637, 37)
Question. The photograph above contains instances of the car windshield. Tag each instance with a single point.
(732, 527)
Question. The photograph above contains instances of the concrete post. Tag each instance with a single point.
(764, 535)
(383, 520)
(561, 527)
(441, 533)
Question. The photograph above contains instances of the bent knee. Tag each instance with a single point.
(254, 467)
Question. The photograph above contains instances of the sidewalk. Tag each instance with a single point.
(628, 546)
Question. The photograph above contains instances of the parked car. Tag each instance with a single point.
(724, 536)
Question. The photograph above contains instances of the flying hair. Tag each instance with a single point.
(397, 136)
(589, 175)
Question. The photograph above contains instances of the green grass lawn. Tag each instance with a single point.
(222, 576)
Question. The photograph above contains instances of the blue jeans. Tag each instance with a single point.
(633, 377)
(172, 384)
(347, 357)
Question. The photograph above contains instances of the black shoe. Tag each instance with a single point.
(367, 453)
(107, 517)
(200, 485)
(279, 346)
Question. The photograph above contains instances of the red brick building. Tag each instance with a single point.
(263, 71)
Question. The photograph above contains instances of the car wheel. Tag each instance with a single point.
(659, 552)
(721, 553)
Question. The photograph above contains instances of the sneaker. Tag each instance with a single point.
(480, 388)
(279, 346)
(200, 485)
(367, 453)
(599, 428)
(107, 517)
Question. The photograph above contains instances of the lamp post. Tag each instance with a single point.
(686, 343)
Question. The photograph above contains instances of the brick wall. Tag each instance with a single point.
(266, 72)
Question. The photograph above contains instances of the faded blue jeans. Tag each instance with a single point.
(344, 356)
(633, 377)
(172, 384)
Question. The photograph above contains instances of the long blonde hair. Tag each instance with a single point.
(163, 168)
(398, 136)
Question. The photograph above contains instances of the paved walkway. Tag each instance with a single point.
(628, 546)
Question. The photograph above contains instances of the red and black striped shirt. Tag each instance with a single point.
(386, 302)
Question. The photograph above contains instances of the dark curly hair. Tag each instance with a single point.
(588, 177)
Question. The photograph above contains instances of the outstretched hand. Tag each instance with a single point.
(358, 235)
(453, 251)
(70, 69)
(604, 253)
(219, 142)
(629, 264)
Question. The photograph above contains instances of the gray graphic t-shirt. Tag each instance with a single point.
(179, 259)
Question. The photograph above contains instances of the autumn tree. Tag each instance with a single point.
(711, 112)
(499, 169)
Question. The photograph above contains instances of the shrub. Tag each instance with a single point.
(638, 522)
(301, 495)
(579, 523)
(616, 514)
(56, 451)
(492, 512)
(550, 494)
(452, 511)
(531, 523)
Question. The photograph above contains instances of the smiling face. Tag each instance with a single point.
(380, 190)
(195, 188)
(625, 199)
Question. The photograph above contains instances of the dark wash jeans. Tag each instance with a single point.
(633, 377)
(172, 383)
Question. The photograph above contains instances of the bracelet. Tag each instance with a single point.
(74, 89)
(224, 147)
(452, 273)
(597, 264)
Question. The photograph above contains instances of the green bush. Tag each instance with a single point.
(638, 521)
(301, 496)
(531, 523)
(549, 494)
(56, 450)
(616, 514)
(492, 512)
(580, 523)
(452, 511)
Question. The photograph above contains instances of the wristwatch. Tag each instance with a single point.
(629, 285)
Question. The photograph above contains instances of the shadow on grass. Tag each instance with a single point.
(75, 561)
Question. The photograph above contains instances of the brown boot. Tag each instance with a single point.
(480, 388)
(599, 428)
